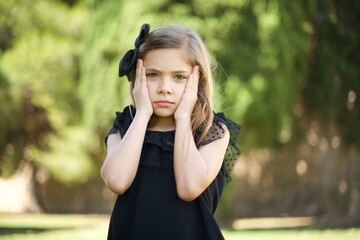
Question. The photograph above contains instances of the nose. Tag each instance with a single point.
(164, 86)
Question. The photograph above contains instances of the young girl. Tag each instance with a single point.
(169, 155)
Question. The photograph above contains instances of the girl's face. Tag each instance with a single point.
(167, 71)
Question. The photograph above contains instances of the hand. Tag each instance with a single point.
(141, 91)
(189, 96)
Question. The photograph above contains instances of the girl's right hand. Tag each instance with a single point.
(141, 91)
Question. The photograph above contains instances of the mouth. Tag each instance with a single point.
(163, 103)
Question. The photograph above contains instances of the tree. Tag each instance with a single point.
(40, 66)
(329, 97)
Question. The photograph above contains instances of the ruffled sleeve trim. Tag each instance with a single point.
(122, 122)
(216, 132)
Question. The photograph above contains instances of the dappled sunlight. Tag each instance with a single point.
(53, 226)
(17, 192)
(267, 223)
(343, 186)
(301, 167)
(94, 227)
(351, 100)
(312, 136)
(250, 166)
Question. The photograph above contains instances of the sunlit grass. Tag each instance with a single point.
(91, 227)
(52, 227)
(348, 234)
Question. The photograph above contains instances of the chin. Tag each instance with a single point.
(164, 113)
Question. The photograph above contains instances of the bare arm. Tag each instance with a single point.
(123, 156)
(194, 168)
(122, 160)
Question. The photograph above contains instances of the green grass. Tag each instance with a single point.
(52, 227)
(91, 227)
(293, 235)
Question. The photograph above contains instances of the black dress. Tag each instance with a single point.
(151, 208)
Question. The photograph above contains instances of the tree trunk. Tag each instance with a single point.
(329, 180)
(355, 183)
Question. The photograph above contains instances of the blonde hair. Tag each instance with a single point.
(179, 37)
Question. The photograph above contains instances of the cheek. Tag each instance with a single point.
(181, 89)
(151, 89)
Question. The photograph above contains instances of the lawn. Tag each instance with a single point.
(94, 227)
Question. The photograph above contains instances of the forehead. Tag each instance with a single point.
(167, 58)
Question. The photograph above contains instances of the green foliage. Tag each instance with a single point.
(70, 154)
(331, 92)
(41, 68)
(280, 65)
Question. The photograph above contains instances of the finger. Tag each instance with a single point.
(196, 71)
(195, 80)
(138, 73)
(143, 74)
(189, 83)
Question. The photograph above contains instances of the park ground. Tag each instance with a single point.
(94, 227)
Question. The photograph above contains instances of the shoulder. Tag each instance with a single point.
(123, 119)
(223, 133)
(121, 122)
(231, 125)
(126, 115)
(221, 127)
(216, 139)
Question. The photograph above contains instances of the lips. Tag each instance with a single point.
(163, 103)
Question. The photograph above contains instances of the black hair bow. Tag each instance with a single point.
(128, 61)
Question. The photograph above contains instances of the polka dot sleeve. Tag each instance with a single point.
(215, 132)
(122, 122)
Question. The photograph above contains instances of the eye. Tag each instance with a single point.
(151, 75)
(180, 77)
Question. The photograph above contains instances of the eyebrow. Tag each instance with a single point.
(175, 71)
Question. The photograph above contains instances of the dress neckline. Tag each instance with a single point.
(159, 131)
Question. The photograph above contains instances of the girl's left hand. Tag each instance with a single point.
(189, 96)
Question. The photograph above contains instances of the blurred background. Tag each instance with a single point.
(287, 71)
